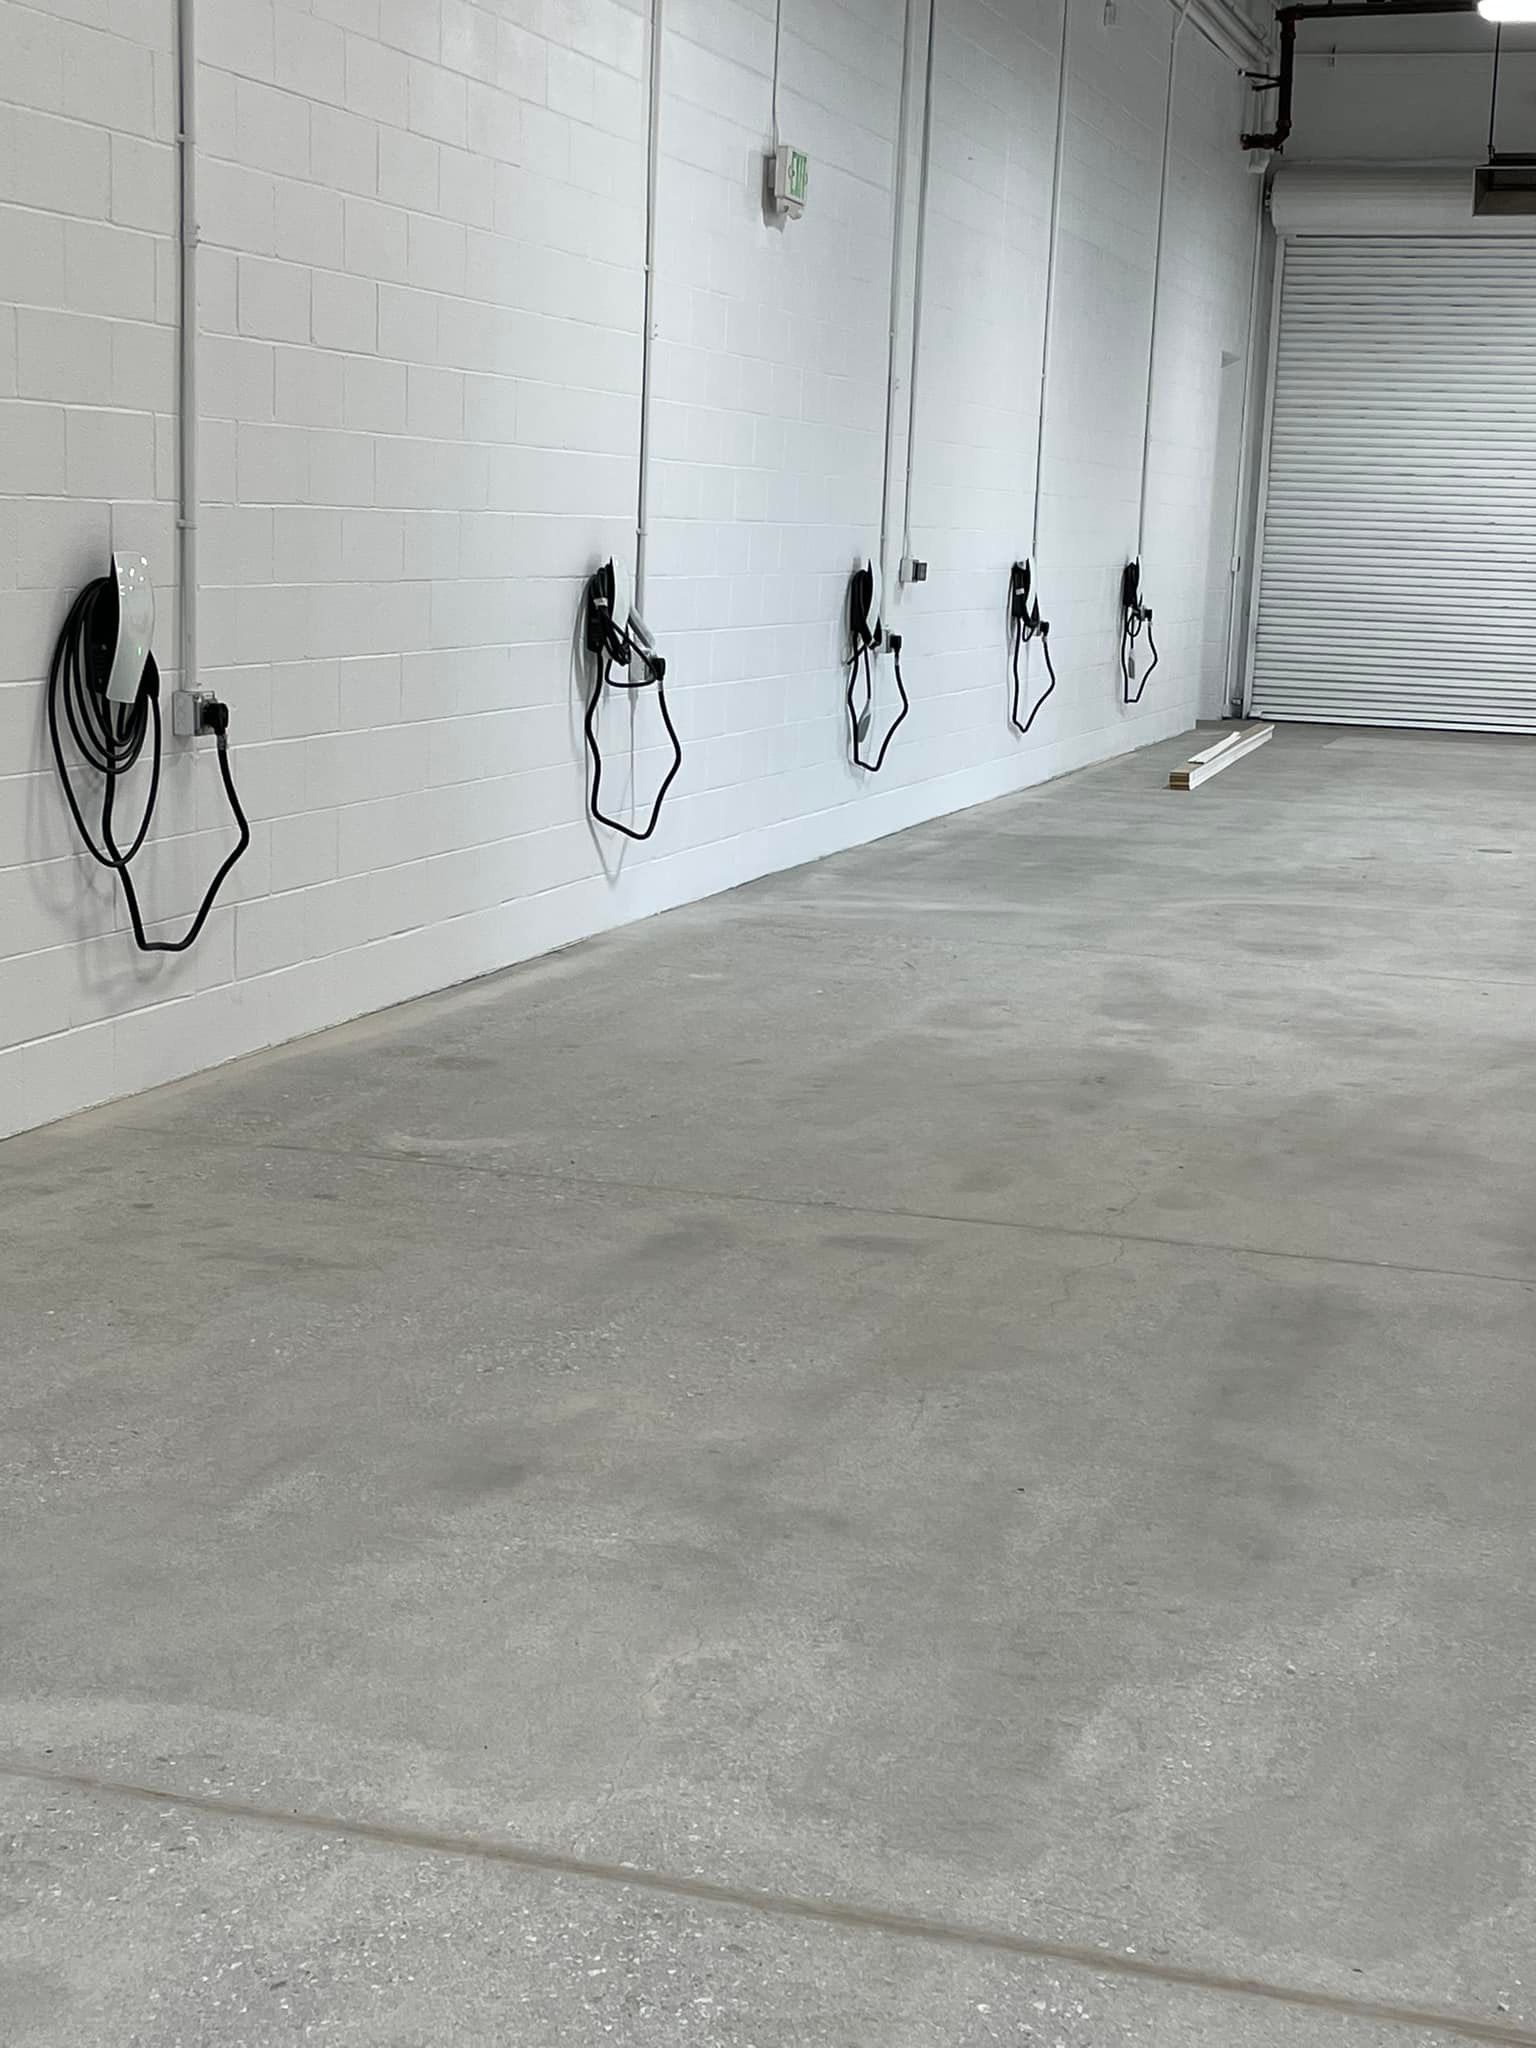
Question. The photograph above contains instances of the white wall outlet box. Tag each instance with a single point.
(789, 175)
(189, 713)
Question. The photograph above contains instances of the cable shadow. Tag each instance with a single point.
(77, 894)
(586, 678)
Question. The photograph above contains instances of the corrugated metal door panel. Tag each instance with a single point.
(1398, 578)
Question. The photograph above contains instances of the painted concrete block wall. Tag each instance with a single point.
(979, 372)
(770, 369)
(977, 391)
(422, 299)
(1095, 417)
(421, 293)
(87, 461)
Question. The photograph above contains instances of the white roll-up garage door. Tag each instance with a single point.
(1397, 572)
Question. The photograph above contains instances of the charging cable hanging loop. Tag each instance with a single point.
(1135, 619)
(110, 713)
(618, 639)
(867, 638)
(1025, 626)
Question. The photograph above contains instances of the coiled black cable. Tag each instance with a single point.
(1135, 619)
(109, 739)
(862, 661)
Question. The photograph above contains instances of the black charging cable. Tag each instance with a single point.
(1135, 619)
(611, 648)
(861, 666)
(1026, 626)
(110, 738)
(865, 642)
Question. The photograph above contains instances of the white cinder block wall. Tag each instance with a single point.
(421, 308)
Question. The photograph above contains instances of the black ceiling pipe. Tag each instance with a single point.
(1336, 10)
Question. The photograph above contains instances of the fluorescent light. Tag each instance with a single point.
(1507, 10)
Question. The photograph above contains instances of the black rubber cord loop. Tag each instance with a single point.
(605, 680)
(1022, 635)
(855, 719)
(109, 739)
(1135, 623)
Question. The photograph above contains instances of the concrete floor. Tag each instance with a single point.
(987, 1382)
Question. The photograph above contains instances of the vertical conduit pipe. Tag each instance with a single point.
(919, 263)
(778, 50)
(1157, 270)
(898, 214)
(652, 160)
(186, 396)
(1050, 269)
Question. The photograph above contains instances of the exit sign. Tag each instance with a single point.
(789, 175)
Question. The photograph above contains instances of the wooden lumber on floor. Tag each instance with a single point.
(1211, 760)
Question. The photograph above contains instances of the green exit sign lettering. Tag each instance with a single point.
(789, 177)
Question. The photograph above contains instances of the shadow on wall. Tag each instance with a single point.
(584, 680)
(80, 895)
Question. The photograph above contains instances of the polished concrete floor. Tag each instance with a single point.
(940, 1451)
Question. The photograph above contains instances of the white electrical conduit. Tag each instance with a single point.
(919, 262)
(652, 160)
(778, 44)
(1050, 269)
(1157, 271)
(186, 401)
(898, 213)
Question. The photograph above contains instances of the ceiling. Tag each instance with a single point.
(1394, 34)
